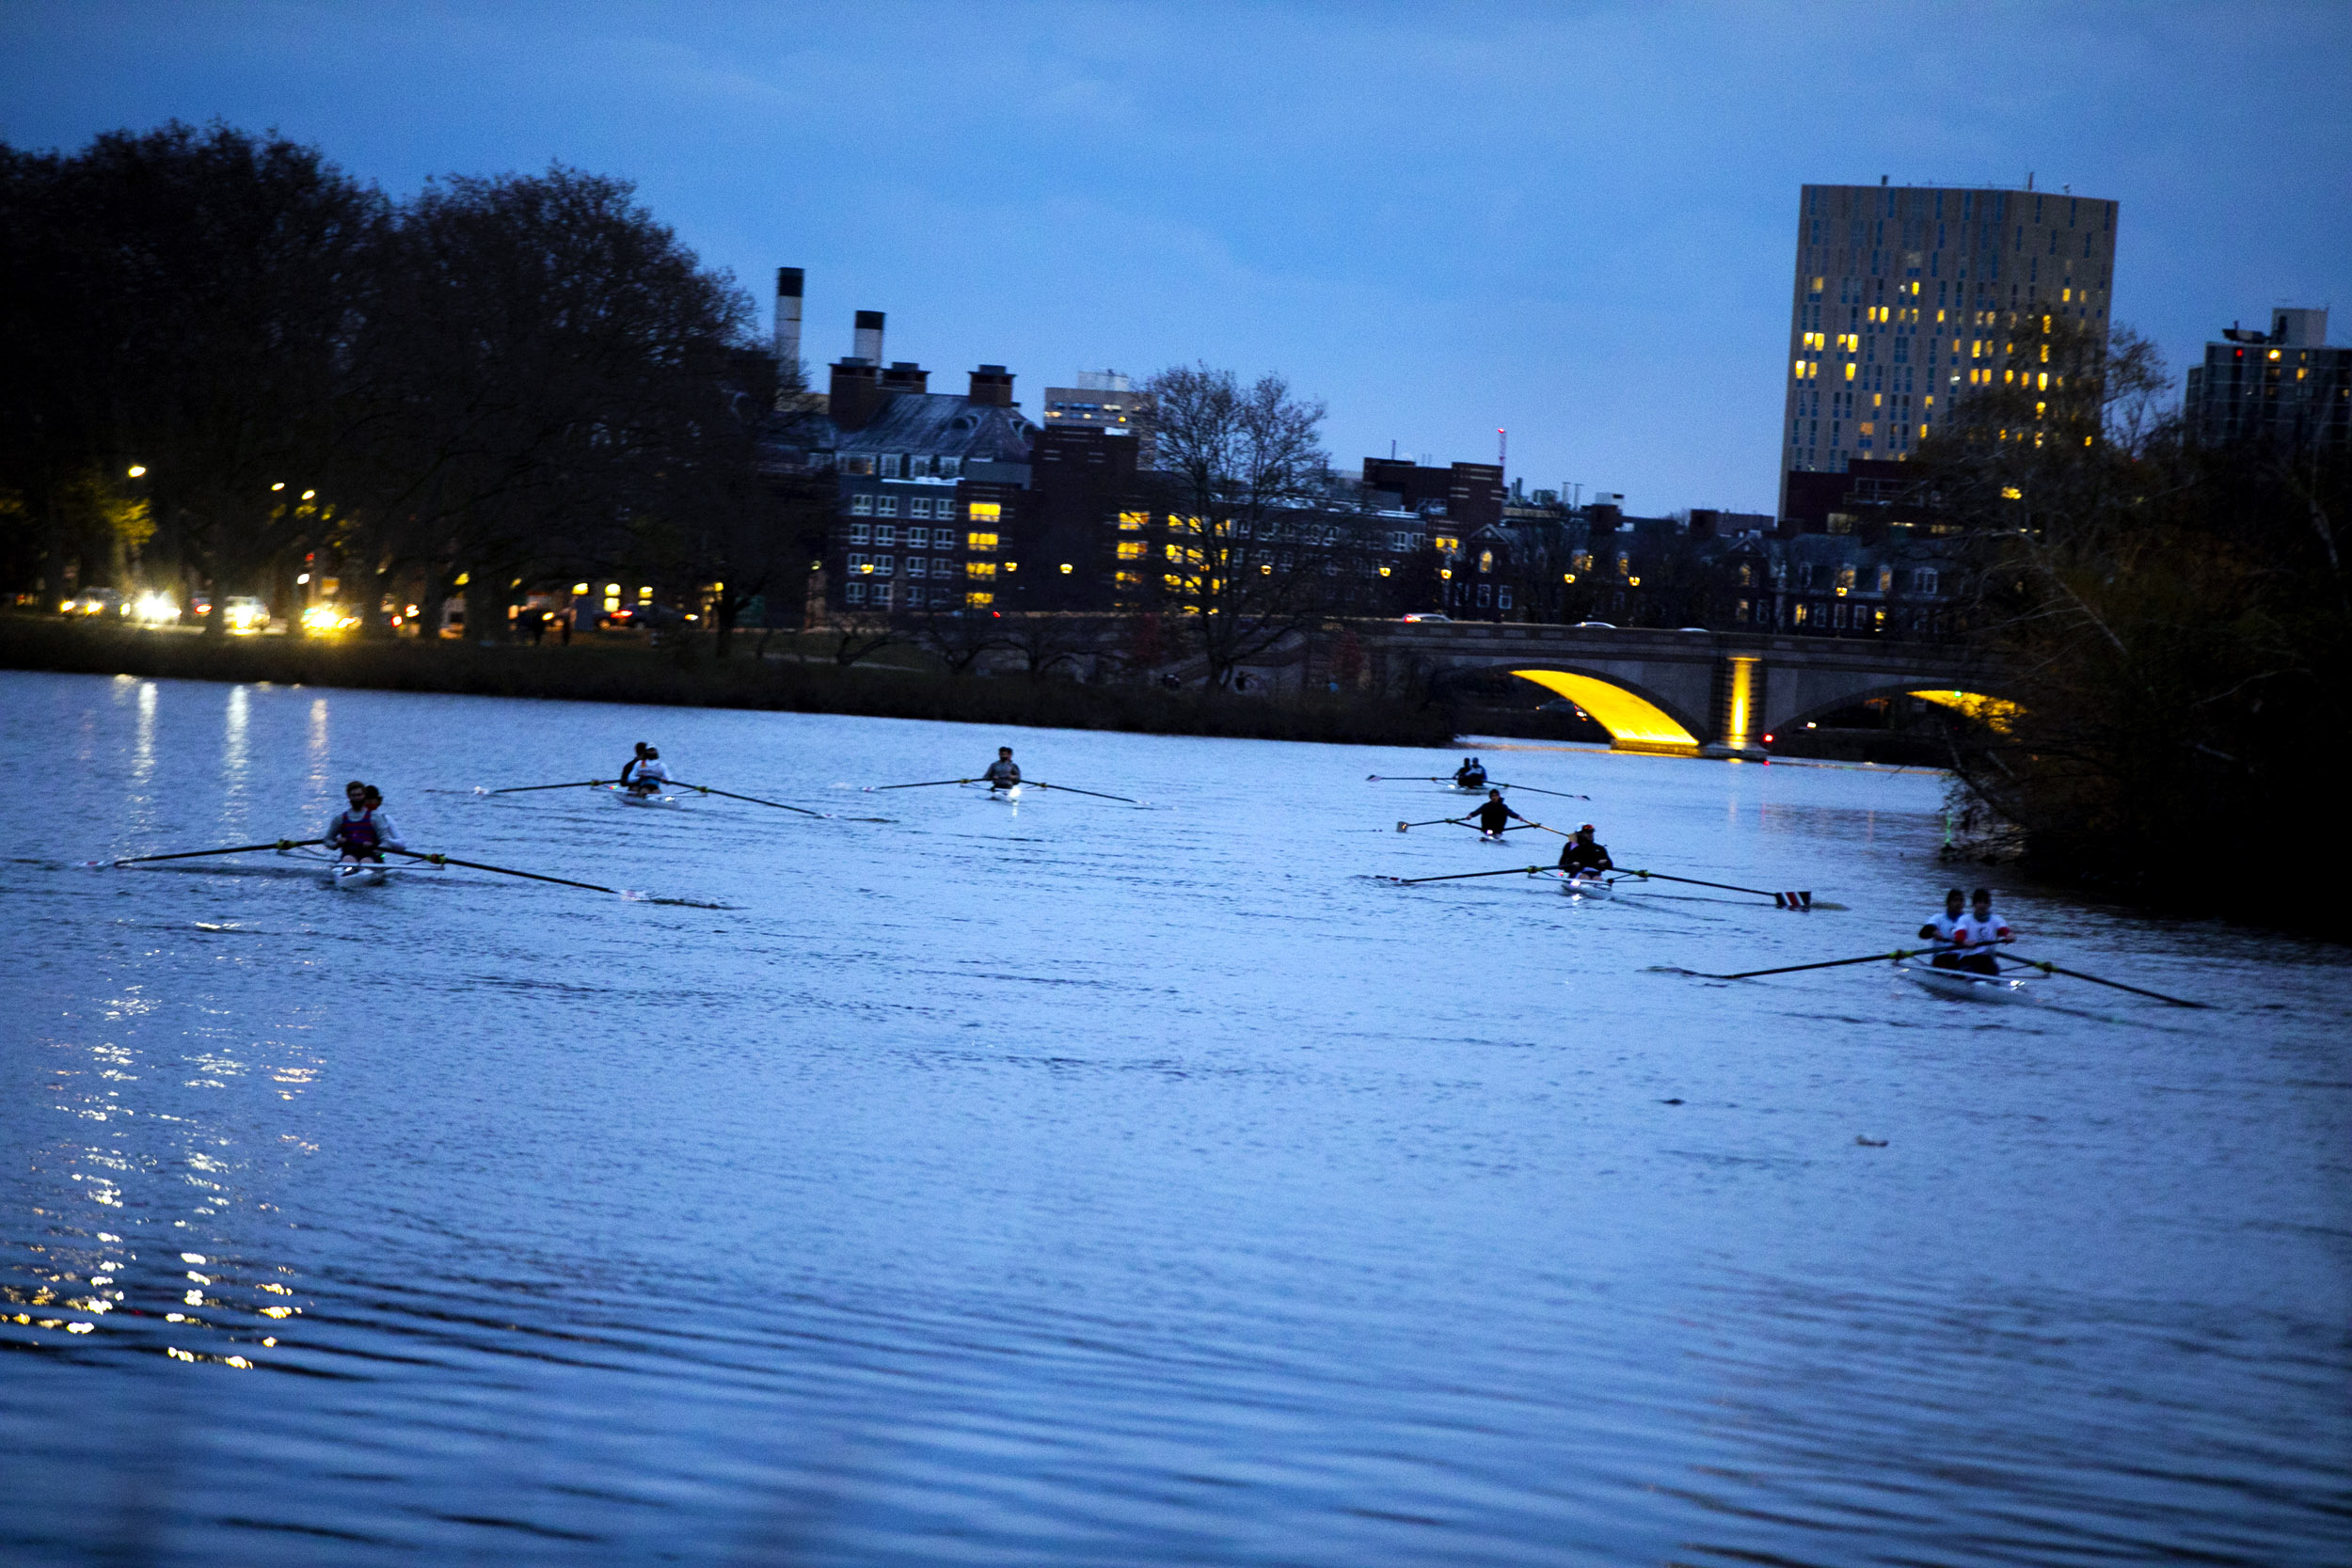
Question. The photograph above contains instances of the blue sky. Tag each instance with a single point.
(1574, 220)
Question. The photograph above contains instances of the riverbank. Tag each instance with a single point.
(634, 674)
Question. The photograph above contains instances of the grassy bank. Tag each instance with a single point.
(632, 674)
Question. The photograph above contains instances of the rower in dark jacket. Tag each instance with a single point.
(1581, 856)
(1493, 814)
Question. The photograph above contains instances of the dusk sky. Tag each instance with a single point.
(1573, 220)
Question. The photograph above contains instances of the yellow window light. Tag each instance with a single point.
(980, 544)
(985, 512)
(980, 568)
(464, 578)
(1132, 522)
(2010, 492)
(610, 589)
(1849, 370)
(579, 590)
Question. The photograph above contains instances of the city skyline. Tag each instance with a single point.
(1455, 222)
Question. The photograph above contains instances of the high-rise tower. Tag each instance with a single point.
(1900, 287)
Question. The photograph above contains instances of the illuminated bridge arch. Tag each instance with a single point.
(1989, 709)
(1637, 719)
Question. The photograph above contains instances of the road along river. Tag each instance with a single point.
(1070, 1182)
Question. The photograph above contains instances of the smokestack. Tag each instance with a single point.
(867, 339)
(788, 320)
(992, 386)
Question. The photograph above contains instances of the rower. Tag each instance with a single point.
(1470, 774)
(1981, 933)
(364, 833)
(1944, 930)
(1493, 814)
(643, 774)
(1004, 773)
(1581, 856)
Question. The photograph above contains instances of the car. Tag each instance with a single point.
(1420, 615)
(245, 613)
(1593, 625)
(93, 601)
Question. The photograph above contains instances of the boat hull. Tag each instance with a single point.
(1964, 985)
(354, 874)
(628, 799)
(1582, 887)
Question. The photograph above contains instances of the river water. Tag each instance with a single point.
(1072, 1183)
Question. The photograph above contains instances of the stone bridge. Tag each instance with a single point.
(1687, 693)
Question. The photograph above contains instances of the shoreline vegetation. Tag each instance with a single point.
(595, 672)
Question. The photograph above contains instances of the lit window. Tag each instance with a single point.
(980, 544)
(986, 512)
(1449, 546)
(1486, 560)
(980, 569)
(1131, 549)
(1132, 522)
(978, 601)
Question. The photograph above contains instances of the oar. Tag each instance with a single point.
(1457, 876)
(233, 849)
(1407, 778)
(1897, 955)
(1066, 789)
(501, 870)
(706, 789)
(1533, 790)
(927, 784)
(1803, 900)
(2076, 973)
(1433, 822)
(525, 789)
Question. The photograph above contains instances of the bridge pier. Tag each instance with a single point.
(1739, 699)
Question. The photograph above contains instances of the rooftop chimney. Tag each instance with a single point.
(854, 393)
(904, 375)
(992, 386)
(867, 341)
(788, 320)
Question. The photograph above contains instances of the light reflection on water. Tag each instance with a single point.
(1073, 1183)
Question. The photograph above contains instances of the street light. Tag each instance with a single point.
(138, 471)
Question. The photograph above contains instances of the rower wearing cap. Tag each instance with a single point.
(644, 773)
(1492, 814)
(1944, 930)
(1981, 933)
(1581, 856)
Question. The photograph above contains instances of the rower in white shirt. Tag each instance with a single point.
(1981, 933)
(1944, 930)
(643, 774)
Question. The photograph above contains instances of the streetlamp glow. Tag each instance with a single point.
(138, 471)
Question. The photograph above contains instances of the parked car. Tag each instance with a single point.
(93, 601)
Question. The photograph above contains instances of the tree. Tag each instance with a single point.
(186, 302)
(1245, 559)
(547, 380)
(2169, 623)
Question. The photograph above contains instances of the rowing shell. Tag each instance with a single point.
(1964, 985)
(357, 873)
(1011, 792)
(628, 799)
(1577, 886)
